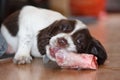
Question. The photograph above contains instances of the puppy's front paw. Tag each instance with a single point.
(20, 59)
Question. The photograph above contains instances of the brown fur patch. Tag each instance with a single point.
(11, 23)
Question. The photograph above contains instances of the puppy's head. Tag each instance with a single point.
(72, 36)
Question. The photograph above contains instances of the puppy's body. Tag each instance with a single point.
(34, 30)
(30, 21)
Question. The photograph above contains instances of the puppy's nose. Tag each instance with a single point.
(62, 42)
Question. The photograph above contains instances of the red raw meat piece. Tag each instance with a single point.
(67, 59)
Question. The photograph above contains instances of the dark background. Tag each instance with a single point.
(9, 6)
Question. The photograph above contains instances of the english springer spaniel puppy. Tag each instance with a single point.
(40, 32)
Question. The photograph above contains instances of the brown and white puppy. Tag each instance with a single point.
(38, 32)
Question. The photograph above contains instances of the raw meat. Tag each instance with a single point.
(67, 59)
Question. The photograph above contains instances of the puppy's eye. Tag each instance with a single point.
(78, 41)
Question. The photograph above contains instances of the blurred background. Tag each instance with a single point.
(103, 20)
(85, 10)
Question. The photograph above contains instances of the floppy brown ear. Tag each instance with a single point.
(96, 48)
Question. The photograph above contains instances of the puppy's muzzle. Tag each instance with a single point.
(61, 43)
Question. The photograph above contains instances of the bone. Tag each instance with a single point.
(73, 60)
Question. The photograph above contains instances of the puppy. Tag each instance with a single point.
(41, 32)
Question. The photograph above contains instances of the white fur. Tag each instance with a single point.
(79, 25)
(9, 38)
(31, 21)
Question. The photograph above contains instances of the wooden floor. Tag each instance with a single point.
(107, 31)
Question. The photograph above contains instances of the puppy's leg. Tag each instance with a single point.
(23, 53)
